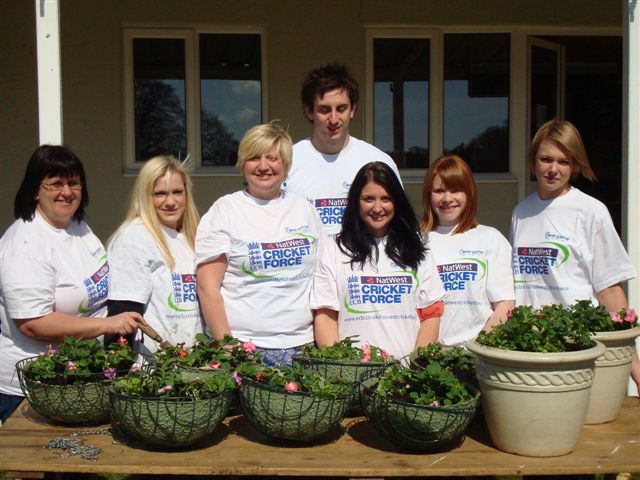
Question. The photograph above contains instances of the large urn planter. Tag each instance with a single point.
(612, 374)
(535, 404)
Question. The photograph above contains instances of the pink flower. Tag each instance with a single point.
(135, 368)
(110, 373)
(71, 367)
(41, 354)
(616, 317)
(236, 378)
(52, 351)
(165, 389)
(260, 376)
(366, 357)
(509, 314)
(122, 341)
(631, 316)
(291, 387)
(211, 366)
(249, 347)
(385, 355)
(183, 353)
(435, 403)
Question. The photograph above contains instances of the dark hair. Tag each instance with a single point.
(332, 76)
(48, 161)
(404, 243)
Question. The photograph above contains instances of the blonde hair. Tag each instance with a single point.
(566, 137)
(141, 203)
(257, 140)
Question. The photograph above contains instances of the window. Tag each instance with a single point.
(476, 99)
(191, 93)
(435, 92)
(401, 99)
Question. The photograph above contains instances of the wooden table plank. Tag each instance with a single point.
(354, 451)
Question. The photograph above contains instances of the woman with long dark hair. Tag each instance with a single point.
(377, 279)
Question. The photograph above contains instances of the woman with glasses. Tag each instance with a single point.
(151, 255)
(53, 269)
(256, 250)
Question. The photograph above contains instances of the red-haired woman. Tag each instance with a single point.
(474, 261)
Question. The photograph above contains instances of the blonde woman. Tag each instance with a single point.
(256, 251)
(151, 255)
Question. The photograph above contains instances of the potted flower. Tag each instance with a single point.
(292, 403)
(617, 331)
(68, 384)
(344, 360)
(162, 407)
(535, 373)
(422, 408)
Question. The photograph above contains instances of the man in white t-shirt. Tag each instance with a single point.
(325, 164)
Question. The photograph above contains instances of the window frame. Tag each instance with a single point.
(190, 35)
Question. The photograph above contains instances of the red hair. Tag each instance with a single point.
(454, 174)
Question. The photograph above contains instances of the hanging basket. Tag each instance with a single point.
(350, 371)
(168, 422)
(284, 415)
(79, 403)
(412, 426)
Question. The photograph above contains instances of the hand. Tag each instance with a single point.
(124, 323)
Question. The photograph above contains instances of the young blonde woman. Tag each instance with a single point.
(151, 255)
(474, 261)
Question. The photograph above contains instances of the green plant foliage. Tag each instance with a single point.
(81, 360)
(434, 385)
(346, 350)
(597, 319)
(298, 379)
(551, 328)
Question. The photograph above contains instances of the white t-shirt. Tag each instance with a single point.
(139, 273)
(475, 269)
(270, 247)
(565, 249)
(44, 269)
(376, 303)
(324, 179)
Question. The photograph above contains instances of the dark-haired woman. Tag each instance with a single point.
(377, 280)
(53, 269)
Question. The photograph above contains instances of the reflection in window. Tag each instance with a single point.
(230, 93)
(159, 89)
(476, 99)
(401, 99)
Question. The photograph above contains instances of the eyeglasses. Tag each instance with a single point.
(58, 185)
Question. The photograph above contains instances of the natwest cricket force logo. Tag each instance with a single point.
(184, 292)
(539, 260)
(330, 210)
(456, 276)
(96, 287)
(272, 255)
(370, 290)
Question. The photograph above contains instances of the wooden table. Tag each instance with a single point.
(354, 451)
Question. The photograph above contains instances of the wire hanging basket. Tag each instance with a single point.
(348, 370)
(83, 402)
(413, 426)
(170, 422)
(285, 415)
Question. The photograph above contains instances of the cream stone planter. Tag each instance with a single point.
(613, 368)
(535, 404)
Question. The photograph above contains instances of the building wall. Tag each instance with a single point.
(301, 34)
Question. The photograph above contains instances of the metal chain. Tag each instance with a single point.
(74, 445)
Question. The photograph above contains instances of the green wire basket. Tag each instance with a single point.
(412, 426)
(300, 416)
(170, 422)
(78, 403)
(348, 370)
